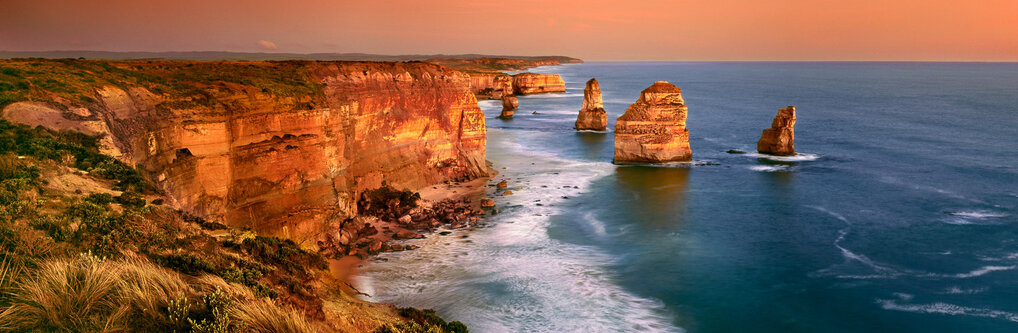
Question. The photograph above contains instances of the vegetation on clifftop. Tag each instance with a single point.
(104, 257)
(73, 81)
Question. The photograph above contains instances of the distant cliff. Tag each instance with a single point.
(270, 145)
(487, 79)
(494, 65)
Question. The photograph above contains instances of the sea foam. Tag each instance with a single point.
(510, 275)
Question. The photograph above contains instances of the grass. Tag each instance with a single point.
(148, 267)
(39, 230)
(263, 316)
(184, 84)
(90, 294)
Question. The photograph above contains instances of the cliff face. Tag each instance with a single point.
(255, 157)
(653, 130)
(496, 85)
(530, 83)
(779, 139)
(494, 65)
(592, 116)
(491, 85)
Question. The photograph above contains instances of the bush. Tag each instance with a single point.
(187, 263)
(428, 318)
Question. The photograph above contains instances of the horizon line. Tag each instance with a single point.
(283, 54)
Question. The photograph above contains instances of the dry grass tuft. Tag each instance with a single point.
(88, 294)
(264, 316)
(70, 295)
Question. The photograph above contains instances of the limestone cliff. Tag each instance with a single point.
(530, 83)
(592, 116)
(491, 85)
(653, 130)
(496, 85)
(509, 105)
(273, 145)
(497, 64)
(778, 140)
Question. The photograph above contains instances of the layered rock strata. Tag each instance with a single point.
(509, 105)
(779, 139)
(530, 83)
(496, 85)
(259, 156)
(592, 116)
(491, 85)
(653, 130)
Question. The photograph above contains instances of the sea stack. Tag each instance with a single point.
(509, 105)
(653, 130)
(592, 116)
(778, 140)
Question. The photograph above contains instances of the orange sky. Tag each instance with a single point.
(963, 30)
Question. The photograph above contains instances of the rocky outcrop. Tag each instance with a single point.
(653, 130)
(592, 116)
(778, 140)
(491, 85)
(530, 83)
(509, 105)
(283, 151)
(496, 85)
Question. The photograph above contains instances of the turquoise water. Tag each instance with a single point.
(901, 214)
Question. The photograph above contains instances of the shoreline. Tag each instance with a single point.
(343, 270)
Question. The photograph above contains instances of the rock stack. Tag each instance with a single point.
(509, 105)
(592, 116)
(530, 83)
(778, 140)
(653, 130)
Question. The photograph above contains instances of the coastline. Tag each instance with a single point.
(345, 269)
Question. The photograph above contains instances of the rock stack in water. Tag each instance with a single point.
(777, 140)
(509, 105)
(592, 116)
(653, 130)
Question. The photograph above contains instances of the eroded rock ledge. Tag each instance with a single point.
(496, 85)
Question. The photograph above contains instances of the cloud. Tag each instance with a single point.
(267, 45)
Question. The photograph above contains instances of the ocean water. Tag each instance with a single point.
(899, 215)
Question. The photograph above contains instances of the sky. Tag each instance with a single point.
(593, 30)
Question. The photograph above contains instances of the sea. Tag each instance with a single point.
(899, 213)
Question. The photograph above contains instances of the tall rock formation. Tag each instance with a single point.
(530, 83)
(778, 140)
(509, 105)
(592, 116)
(294, 142)
(653, 130)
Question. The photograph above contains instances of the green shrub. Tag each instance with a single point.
(187, 263)
(428, 318)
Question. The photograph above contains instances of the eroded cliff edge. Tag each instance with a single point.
(266, 145)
